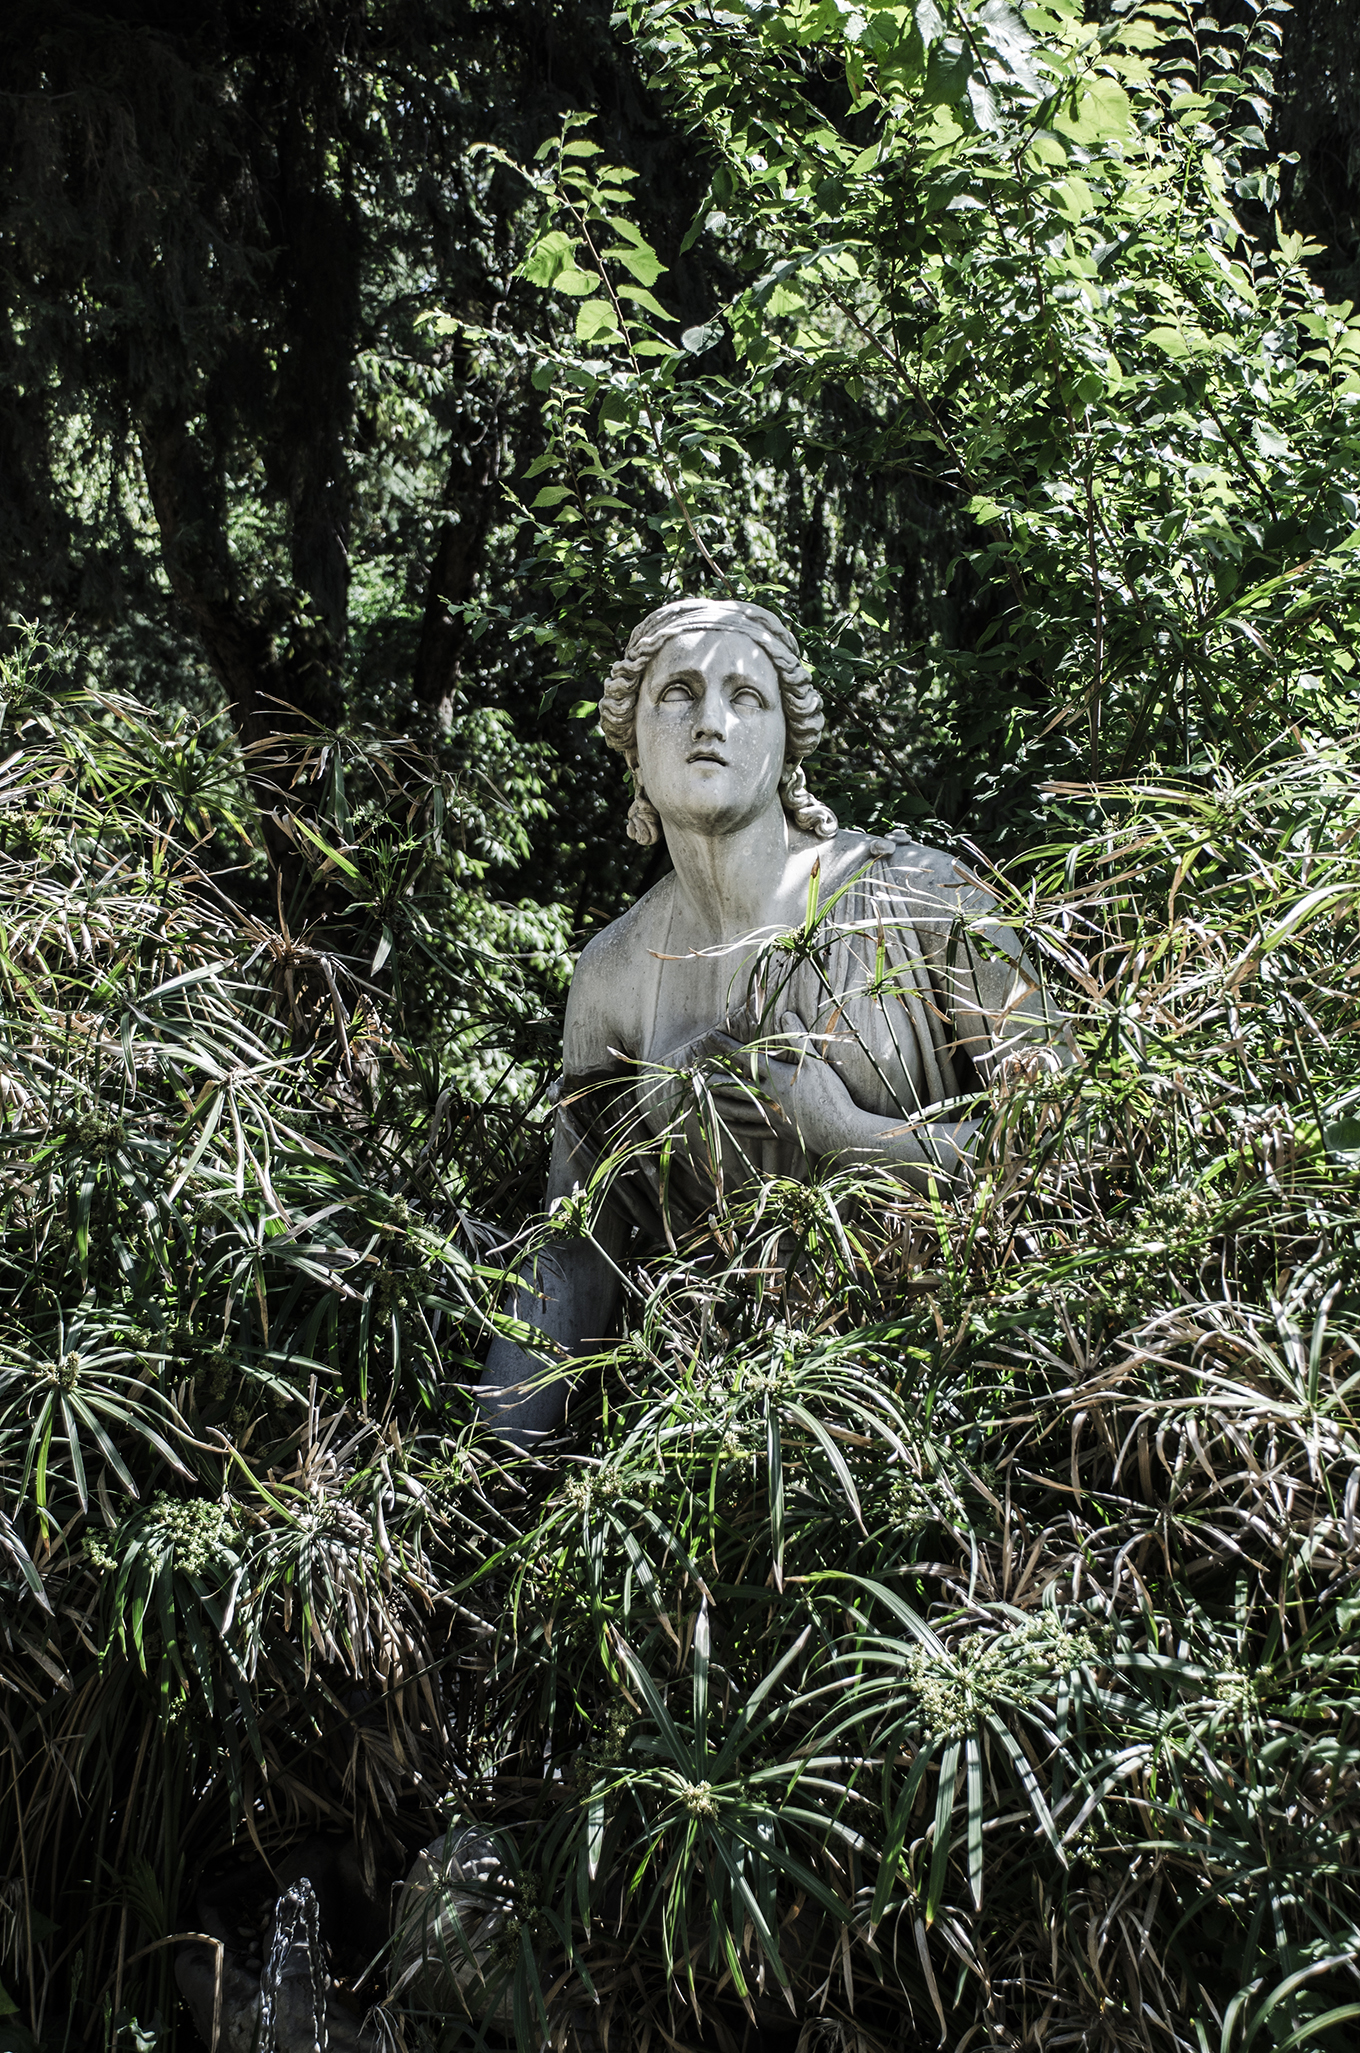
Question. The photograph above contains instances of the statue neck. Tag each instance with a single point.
(742, 883)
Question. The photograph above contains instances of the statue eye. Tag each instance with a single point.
(676, 689)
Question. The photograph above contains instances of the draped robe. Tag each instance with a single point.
(911, 989)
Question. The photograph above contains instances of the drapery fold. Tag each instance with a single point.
(911, 989)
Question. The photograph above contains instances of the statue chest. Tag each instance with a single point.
(682, 997)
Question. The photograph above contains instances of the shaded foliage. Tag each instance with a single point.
(234, 1174)
(1318, 122)
(232, 449)
(236, 450)
(939, 1625)
(1009, 266)
(947, 1617)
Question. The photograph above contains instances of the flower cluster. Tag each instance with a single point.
(1235, 1689)
(64, 1373)
(910, 1505)
(954, 1690)
(194, 1527)
(605, 1747)
(1173, 1217)
(698, 1799)
(595, 1486)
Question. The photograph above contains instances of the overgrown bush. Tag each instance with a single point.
(240, 1286)
(1027, 262)
(938, 1626)
(944, 1628)
(942, 1612)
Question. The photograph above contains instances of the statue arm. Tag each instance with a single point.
(569, 1291)
(996, 1008)
(802, 1092)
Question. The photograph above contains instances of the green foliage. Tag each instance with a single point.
(926, 1597)
(241, 1291)
(940, 1626)
(943, 1593)
(240, 464)
(1011, 252)
(1317, 114)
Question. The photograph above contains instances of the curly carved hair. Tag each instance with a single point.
(803, 718)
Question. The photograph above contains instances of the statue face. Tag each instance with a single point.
(710, 731)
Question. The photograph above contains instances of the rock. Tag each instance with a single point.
(454, 1907)
(194, 1970)
(195, 1973)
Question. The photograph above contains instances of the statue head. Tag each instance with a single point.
(801, 702)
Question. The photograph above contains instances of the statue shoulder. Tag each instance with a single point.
(934, 879)
(619, 942)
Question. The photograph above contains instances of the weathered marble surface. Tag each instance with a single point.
(847, 1054)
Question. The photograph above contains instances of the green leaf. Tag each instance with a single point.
(1343, 2013)
(1047, 148)
(576, 284)
(595, 322)
(973, 1769)
(595, 1831)
(681, 1754)
(1075, 198)
(1096, 111)
(743, 1722)
(552, 254)
(696, 340)
(638, 296)
(948, 71)
(644, 264)
(696, 226)
(944, 1813)
(929, 22)
(319, 841)
(701, 1654)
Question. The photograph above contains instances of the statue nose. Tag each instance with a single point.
(710, 718)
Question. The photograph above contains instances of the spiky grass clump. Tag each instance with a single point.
(943, 1631)
(236, 1300)
(941, 1624)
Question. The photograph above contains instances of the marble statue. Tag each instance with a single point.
(793, 996)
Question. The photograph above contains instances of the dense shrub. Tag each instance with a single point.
(240, 1285)
(938, 1625)
(943, 1608)
(947, 1618)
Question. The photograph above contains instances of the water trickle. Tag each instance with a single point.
(297, 1930)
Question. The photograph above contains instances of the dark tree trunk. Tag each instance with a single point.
(321, 259)
(276, 692)
(453, 574)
